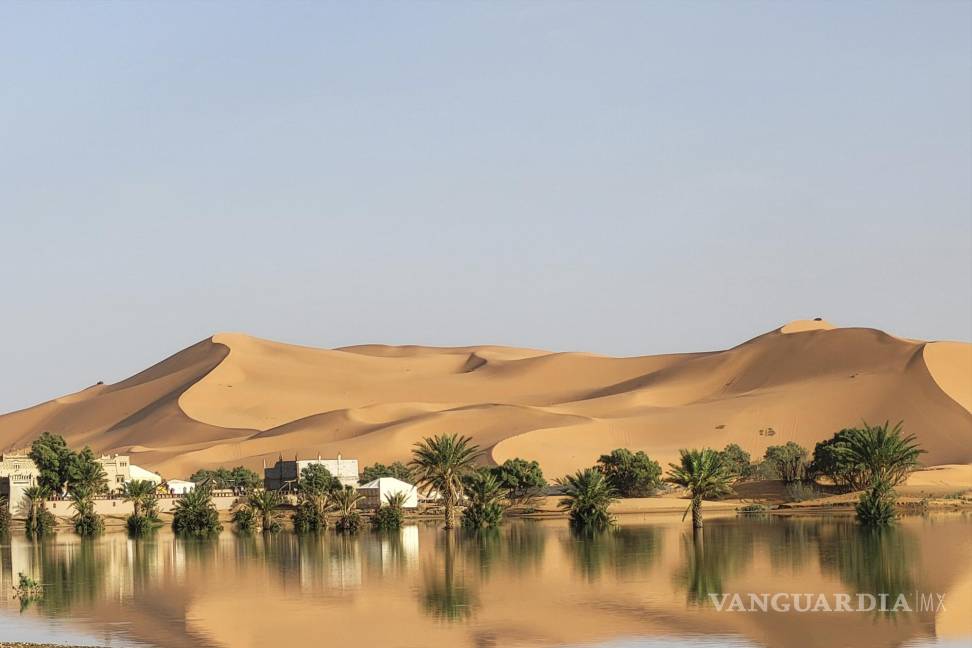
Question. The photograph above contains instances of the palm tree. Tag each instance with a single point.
(587, 496)
(881, 453)
(485, 508)
(86, 521)
(440, 463)
(138, 492)
(264, 504)
(705, 475)
(39, 519)
(195, 513)
(312, 508)
(391, 516)
(346, 500)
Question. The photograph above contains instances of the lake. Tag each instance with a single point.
(530, 583)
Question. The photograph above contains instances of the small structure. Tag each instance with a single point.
(137, 473)
(17, 473)
(287, 473)
(180, 486)
(376, 492)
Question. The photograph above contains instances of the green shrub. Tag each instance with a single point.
(752, 509)
(630, 474)
(392, 516)
(876, 505)
(484, 510)
(522, 480)
(195, 514)
(587, 496)
(788, 461)
(398, 470)
(244, 518)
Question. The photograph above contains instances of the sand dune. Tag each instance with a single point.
(235, 399)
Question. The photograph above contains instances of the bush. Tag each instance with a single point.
(801, 491)
(738, 461)
(630, 474)
(876, 505)
(752, 509)
(392, 516)
(317, 478)
(195, 514)
(789, 461)
(244, 518)
(398, 470)
(4, 515)
(521, 480)
(587, 496)
(484, 510)
(348, 522)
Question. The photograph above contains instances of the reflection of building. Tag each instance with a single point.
(287, 472)
(17, 473)
(376, 492)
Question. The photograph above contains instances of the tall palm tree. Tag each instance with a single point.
(881, 453)
(587, 496)
(705, 475)
(346, 500)
(39, 520)
(86, 521)
(264, 503)
(440, 463)
(138, 492)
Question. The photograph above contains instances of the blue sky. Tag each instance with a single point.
(624, 178)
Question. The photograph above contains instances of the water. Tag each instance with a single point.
(531, 583)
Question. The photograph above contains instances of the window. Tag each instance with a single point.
(119, 479)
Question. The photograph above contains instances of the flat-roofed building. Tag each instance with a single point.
(286, 473)
(117, 470)
(17, 473)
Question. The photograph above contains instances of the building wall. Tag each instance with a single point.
(117, 470)
(63, 508)
(17, 473)
(288, 471)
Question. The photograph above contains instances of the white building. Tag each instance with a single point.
(117, 470)
(137, 473)
(17, 473)
(180, 486)
(287, 472)
(376, 492)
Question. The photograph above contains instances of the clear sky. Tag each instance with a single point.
(624, 178)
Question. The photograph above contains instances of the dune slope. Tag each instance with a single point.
(235, 399)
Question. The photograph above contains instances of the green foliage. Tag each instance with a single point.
(312, 508)
(801, 492)
(140, 525)
(52, 457)
(876, 505)
(244, 518)
(223, 478)
(630, 474)
(827, 462)
(84, 472)
(788, 461)
(879, 453)
(317, 478)
(27, 590)
(346, 502)
(441, 463)
(4, 515)
(587, 496)
(738, 461)
(40, 522)
(752, 509)
(264, 504)
(522, 480)
(391, 516)
(195, 514)
(485, 509)
(706, 477)
(87, 523)
(398, 470)
(144, 517)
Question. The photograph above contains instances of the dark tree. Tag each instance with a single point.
(522, 480)
(52, 457)
(630, 474)
(398, 470)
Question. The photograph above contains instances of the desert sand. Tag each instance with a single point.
(234, 399)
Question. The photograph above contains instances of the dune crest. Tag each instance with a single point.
(235, 399)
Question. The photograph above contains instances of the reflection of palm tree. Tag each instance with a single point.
(525, 544)
(727, 550)
(627, 550)
(444, 598)
(871, 560)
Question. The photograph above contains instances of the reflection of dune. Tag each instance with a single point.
(235, 399)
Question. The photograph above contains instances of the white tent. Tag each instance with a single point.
(376, 492)
(180, 487)
(140, 474)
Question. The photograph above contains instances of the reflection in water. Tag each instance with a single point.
(537, 582)
(626, 551)
(445, 594)
(871, 559)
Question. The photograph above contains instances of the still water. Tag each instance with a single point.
(531, 583)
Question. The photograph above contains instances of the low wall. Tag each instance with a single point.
(119, 507)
